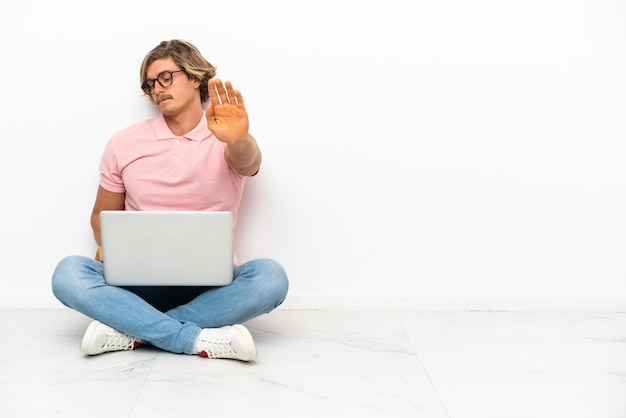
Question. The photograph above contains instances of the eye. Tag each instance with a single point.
(165, 78)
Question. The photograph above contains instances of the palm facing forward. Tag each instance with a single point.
(226, 115)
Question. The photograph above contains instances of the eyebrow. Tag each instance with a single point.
(159, 73)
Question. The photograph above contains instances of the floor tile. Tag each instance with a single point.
(532, 395)
(522, 354)
(513, 324)
(281, 393)
(42, 372)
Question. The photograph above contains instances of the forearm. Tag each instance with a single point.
(244, 156)
(105, 200)
(95, 226)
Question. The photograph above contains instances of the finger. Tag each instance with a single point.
(230, 91)
(234, 95)
(239, 98)
(221, 91)
(212, 92)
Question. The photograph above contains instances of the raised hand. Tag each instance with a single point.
(226, 114)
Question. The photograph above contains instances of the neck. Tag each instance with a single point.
(183, 122)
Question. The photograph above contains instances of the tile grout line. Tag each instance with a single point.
(143, 385)
(443, 404)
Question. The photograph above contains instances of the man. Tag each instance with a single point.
(186, 159)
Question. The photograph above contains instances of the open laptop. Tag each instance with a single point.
(167, 248)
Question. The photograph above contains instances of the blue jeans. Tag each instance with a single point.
(169, 318)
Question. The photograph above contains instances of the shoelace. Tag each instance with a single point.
(119, 341)
(215, 348)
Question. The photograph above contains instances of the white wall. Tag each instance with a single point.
(426, 154)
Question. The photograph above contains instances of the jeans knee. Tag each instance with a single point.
(60, 277)
(278, 279)
(70, 276)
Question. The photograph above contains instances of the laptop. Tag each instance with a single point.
(167, 248)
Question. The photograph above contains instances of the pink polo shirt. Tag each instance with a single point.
(161, 171)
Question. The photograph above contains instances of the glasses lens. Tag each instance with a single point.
(165, 79)
(147, 86)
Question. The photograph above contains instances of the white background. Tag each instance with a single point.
(425, 154)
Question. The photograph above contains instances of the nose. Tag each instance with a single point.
(158, 88)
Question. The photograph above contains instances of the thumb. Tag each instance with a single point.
(210, 113)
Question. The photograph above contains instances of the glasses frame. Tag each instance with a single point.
(148, 89)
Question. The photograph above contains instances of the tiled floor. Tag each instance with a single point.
(330, 364)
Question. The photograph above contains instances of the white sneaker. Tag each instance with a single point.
(100, 338)
(229, 342)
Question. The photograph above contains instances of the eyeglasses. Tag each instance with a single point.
(164, 79)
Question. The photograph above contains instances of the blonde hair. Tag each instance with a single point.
(187, 57)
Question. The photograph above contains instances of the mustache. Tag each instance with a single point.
(162, 97)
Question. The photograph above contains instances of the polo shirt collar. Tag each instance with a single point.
(198, 133)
